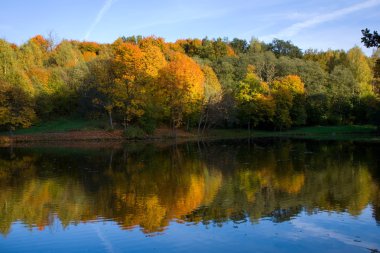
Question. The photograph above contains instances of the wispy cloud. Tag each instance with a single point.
(322, 18)
(106, 6)
(107, 244)
(313, 230)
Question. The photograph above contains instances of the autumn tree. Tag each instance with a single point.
(254, 100)
(16, 106)
(136, 69)
(105, 92)
(212, 95)
(359, 66)
(181, 87)
(17, 92)
(289, 97)
(128, 65)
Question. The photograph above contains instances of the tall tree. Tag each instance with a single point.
(359, 66)
(181, 85)
(284, 48)
(254, 101)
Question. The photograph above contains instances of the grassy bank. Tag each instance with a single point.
(62, 125)
(79, 129)
(313, 132)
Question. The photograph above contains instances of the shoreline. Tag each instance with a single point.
(164, 134)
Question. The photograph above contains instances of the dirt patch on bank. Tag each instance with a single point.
(93, 135)
(66, 136)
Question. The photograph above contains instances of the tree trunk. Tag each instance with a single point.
(110, 119)
(249, 127)
(200, 122)
(205, 124)
(11, 128)
(188, 125)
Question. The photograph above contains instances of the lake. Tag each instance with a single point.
(264, 195)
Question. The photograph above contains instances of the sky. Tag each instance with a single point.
(316, 24)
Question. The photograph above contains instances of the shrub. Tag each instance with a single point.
(133, 132)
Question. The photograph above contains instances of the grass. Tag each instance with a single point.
(348, 132)
(62, 125)
(314, 132)
(334, 130)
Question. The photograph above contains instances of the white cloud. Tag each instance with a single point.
(313, 230)
(106, 6)
(322, 18)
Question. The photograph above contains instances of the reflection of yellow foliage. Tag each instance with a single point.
(192, 198)
(152, 214)
(249, 184)
(251, 181)
(151, 194)
(290, 183)
(362, 192)
(213, 182)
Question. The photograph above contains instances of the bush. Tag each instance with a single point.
(133, 132)
(147, 124)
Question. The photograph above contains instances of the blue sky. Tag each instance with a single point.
(316, 24)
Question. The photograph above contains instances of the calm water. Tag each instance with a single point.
(235, 196)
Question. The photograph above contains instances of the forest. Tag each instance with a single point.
(146, 82)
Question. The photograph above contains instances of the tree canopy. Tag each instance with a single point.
(147, 81)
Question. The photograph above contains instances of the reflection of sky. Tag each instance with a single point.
(309, 24)
(327, 232)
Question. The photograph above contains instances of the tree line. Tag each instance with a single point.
(192, 83)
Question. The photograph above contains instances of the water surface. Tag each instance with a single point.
(225, 196)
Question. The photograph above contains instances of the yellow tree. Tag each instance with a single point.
(289, 95)
(212, 95)
(16, 90)
(128, 65)
(360, 68)
(181, 85)
(153, 59)
(254, 100)
(16, 106)
(102, 82)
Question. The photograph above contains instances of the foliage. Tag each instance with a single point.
(133, 132)
(146, 82)
(370, 39)
(149, 186)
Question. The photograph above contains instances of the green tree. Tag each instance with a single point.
(342, 88)
(106, 92)
(253, 100)
(289, 95)
(370, 39)
(16, 106)
(285, 48)
(240, 46)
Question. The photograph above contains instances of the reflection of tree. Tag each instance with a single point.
(148, 187)
(280, 180)
(143, 189)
